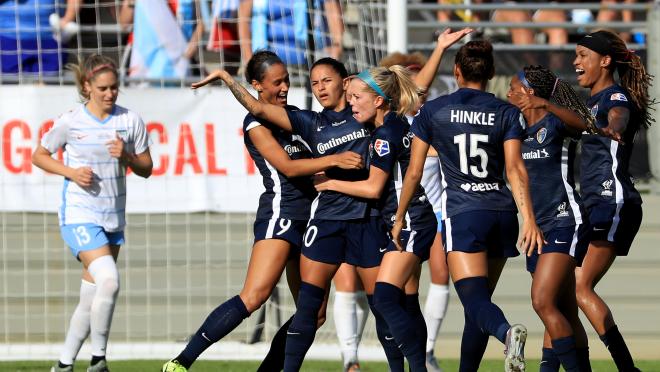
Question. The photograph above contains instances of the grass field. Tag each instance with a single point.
(312, 365)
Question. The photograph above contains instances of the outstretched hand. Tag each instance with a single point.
(215, 75)
(529, 101)
(448, 38)
(349, 160)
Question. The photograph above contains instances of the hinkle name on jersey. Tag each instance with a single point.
(535, 154)
(325, 146)
(472, 117)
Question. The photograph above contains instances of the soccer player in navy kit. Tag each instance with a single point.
(341, 228)
(281, 218)
(613, 204)
(423, 72)
(477, 137)
(548, 151)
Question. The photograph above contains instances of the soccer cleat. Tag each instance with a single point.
(515, 349)
(101, 366)
(432, 363)
(57, 368)
(351, 366)
(173, 366)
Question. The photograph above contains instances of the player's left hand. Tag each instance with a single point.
(321, 182)
(215, 75)
(531, 238)
(116, 147)
(396, 234)
(528, 101)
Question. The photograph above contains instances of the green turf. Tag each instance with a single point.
(312, 365)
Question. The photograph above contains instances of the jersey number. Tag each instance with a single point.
(475, 151)
(82, 236)
(284, 226)
(310, 235)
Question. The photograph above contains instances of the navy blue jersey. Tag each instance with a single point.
(549, 154)
(390, 151)
(468, 128)
(289, 198)
(604, 166)
(326, 133)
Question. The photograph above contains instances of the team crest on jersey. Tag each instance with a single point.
(607, 188)
(594, 110)
(382, 147)
(541, 134)
(561, 210)
(123, 134)
(618, 97)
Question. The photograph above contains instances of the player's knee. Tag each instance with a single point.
(254, 299)
(542, 304)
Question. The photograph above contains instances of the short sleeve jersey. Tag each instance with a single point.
(284, 197)
(326, 133)
(390, 151)
(604, 165)
(84, 139)
(549, 154)
(468, 128)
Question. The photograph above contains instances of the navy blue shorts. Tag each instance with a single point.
(281, 228)
(361, 242)
(44, 54)
(571, 240)
(616, 223)
(418, 242)
(493, 231)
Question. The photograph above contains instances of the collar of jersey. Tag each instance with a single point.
(114, 108)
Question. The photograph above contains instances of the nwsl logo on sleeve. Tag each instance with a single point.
(382, 147)
(618, 97)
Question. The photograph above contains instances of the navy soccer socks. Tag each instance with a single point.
(302, 330)
(387, 301)
(392, 352)
(217, 325)
(475, 296)
(415, 312)
(549, 361)
(473, 346)
(274, 360)
(618, 349)
(564, 349)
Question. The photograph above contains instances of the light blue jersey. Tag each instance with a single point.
(84, 139)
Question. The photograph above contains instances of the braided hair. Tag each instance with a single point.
(632, 75)
(548, 86)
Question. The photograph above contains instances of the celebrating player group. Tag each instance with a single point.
(342, 189)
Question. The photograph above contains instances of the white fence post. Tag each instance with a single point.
(397, 26)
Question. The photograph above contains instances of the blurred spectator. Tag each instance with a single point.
(166, 37)
(609, 15)
(466, 15)
(282, 27)
(27, 42)
(556, 36)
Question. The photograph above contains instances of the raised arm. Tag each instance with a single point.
(427, 74)
(371, 188)
(531, 237)
(271, 150)
(272, 113)
(418, 153)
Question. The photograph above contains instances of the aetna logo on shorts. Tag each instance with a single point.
(480, 186)
(334, 142)
(292, 149)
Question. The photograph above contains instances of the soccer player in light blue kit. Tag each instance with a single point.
(101, 140)
(613, 204)
(477, 137)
